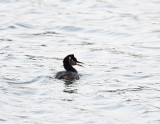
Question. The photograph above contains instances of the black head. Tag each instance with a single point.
(69, 61)
(72, 60)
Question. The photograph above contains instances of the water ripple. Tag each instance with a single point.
(117, 40)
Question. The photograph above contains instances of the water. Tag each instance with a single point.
(119, 42)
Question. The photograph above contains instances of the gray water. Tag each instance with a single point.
(119, 42)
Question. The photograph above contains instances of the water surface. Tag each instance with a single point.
(119, 42)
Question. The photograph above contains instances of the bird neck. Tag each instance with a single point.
(69, 67)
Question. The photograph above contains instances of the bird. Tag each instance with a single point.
(70, 73)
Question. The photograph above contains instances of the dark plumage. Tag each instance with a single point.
(70, 73)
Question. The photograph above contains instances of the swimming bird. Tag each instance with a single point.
(70, 73)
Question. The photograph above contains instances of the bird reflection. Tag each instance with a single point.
(69, 87)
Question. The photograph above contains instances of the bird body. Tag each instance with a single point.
(70, 73)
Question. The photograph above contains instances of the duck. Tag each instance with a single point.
(71, 73)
